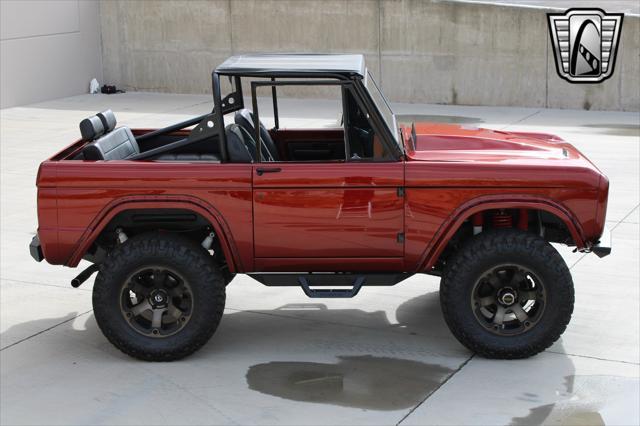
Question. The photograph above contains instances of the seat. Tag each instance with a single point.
(187, 157)
(244, 118)
(240, 144)
(119, 144)
(110, 143)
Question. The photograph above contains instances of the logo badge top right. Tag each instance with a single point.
(585, 43)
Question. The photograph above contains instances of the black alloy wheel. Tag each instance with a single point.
(508, 300)
(156, 302)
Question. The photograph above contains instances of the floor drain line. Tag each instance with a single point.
(435, 390)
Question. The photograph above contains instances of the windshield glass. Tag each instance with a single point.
(382, 104)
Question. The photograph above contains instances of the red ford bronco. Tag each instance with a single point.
(167, 217)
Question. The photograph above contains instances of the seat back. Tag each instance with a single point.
(244, 118)
(240, 145)
(108, 143)
(119, 144)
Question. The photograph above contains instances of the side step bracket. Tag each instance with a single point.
(331, 292)
(350, 283)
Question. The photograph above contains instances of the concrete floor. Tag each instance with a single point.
(387, 356)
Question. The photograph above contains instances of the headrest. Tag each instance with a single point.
(108, 120)
(100, 124)
(246, 114)
(91, 128)
(235, 130)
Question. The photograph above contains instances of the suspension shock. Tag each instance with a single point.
(502, 219)
(477, 220)
(523, 219)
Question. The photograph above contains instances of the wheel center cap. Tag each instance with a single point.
(507, 296)
(158, 298)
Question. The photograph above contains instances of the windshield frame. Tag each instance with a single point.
(382, 105)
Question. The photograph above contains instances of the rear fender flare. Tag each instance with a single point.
(466, 210)
(194, 204)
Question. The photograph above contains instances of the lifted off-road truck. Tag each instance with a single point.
(167, 217)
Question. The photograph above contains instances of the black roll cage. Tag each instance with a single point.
(212, 124)
(273, 83)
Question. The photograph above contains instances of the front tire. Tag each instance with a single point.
(507, 294)
(158, 297)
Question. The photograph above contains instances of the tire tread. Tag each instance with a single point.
(492, 243)
(183, 251)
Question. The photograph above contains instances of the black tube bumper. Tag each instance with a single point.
(603, 247)
(36, 249)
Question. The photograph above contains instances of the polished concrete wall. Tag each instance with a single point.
(421, 51)
(48, 49)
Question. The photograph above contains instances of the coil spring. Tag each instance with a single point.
(502, 219)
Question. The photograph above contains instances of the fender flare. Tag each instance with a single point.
(141, 202)
(466, 210)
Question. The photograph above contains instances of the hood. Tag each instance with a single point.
(452, 142)
(455, 155)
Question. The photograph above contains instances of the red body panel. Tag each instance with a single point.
(340, 210)
(332, 216)
(85, 199)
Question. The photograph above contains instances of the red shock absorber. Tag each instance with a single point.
(502, 219)
(523, 219)
(477, 220)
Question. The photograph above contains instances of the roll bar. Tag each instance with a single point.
(212, 124)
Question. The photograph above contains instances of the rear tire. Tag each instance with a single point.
(158, 297)
(507, 294)
(228, 276)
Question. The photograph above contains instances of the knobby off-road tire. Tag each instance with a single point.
(228, 276)
(158, 267)
(493, 269)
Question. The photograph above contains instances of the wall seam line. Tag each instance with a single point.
(231, 29)
(546, 71)
(620, 50)
(101, 41)
(41, 35)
